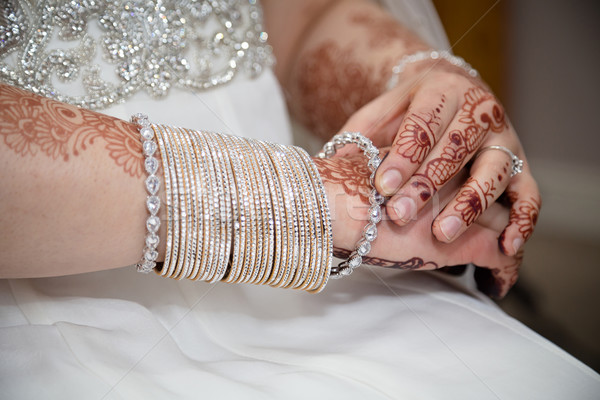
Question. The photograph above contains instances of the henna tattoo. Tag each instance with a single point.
(418, 136)
(478, 122)
(525, 215)
(413, 263)
(352, 174)
(496, 282)
(332, 85)
(30, 124)
(473, 199)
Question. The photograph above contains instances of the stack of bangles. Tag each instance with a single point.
(240, 210)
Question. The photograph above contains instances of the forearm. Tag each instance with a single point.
(72, 196)
(341, 56)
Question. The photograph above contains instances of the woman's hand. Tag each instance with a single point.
(436, 121)
(413, 246)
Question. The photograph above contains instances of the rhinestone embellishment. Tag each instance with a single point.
(147, 45)
(152, 183)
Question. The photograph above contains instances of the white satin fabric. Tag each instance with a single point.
(378, 334)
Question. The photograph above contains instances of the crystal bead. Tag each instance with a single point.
(364, 142)
(376, 197)
(151, 165)
(364, 247)
(370, 232)
(346, 271)
(373, 163)
(146, 266)
(150, 254)
(147, 133)
(329, 149)
(372, 151)
(149, 147)
(153, 204)
(139, 118)
(152, 241)
(355, 261)
(152, 184)
(375, 214)
(153, 223)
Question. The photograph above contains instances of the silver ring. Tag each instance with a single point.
(517, 163)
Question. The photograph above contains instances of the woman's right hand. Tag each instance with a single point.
(413, 246)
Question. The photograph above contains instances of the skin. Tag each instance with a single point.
(334, 59)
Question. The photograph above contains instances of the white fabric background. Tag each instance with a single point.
(379, 334)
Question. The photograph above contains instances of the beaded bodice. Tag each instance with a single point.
(94, 53)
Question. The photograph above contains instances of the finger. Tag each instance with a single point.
(479, 115)
(426, 119)
(490, 177)
(524, 197)
(496, 272)
(497, 282)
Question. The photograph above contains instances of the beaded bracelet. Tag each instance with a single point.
(428, 55)
(152, 183)
(363, 247)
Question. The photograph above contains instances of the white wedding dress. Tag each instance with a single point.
(379, 334)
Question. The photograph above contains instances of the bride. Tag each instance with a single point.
(72, 175)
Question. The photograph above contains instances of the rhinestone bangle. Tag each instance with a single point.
(363, 246)
(151, 164)
(428, 55)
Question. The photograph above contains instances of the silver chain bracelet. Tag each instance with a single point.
(363, 246)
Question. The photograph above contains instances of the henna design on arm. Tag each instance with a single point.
(413, 263)
(335, 77)
(30, 124)
(332, 84)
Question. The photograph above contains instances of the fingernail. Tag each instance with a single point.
(450, 226)
(390, 181)
(517, 243)
(405, 208)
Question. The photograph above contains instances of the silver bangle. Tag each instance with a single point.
(363, 247)
(428, 55)
(152, 183)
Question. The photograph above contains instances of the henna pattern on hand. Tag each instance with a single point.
(496, 282)
(473, 199)
(418, 137)
(352, 174)
(30, 123)
(410, 264)
(462, 142)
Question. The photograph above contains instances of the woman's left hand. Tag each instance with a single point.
(437, 120)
